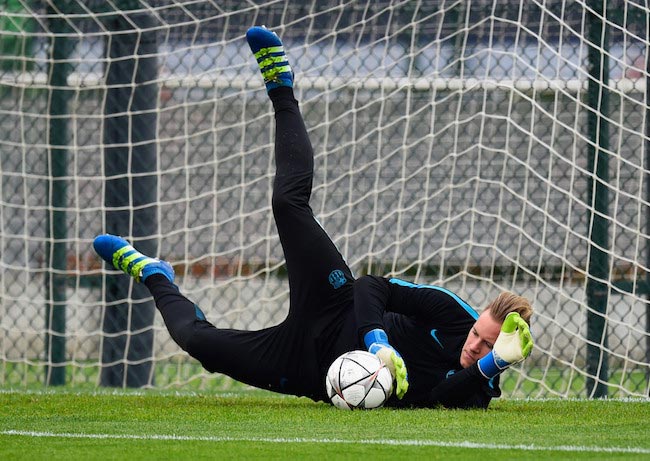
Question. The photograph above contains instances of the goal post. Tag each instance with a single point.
(58, 70)
(130, 164)
(598, 163)
(482, 146)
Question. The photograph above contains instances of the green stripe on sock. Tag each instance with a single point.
(271, 49)
(118, 255)
(137, 268)
(124, 264)
(275, 71)
(271, 60)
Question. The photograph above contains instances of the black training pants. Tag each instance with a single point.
(291, 357)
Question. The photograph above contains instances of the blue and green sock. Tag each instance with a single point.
(271, 58)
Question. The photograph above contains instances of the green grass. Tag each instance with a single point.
(189, 375)
(258, 425)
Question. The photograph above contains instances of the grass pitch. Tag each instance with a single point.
(259, 425)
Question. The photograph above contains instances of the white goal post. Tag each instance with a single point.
(482, 146)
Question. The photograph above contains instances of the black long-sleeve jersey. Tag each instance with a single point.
(428, 326)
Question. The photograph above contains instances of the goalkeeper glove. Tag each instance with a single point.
(513, 345)
(377, 343)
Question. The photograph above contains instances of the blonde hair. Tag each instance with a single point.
(508, 302)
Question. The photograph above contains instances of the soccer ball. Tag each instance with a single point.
(358, 379)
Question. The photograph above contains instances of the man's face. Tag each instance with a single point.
(480, 339)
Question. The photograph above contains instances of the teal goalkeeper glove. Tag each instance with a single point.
(377, 343)
(513, 345)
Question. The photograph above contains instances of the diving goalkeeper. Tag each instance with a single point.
(439, 350)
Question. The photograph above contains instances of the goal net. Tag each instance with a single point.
(481, 146)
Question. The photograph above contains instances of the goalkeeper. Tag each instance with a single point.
(439, 350)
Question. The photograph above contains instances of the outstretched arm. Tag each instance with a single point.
(371, 297)
(472, 387)
(513, 345)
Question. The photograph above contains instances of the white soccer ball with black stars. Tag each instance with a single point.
(358, 379)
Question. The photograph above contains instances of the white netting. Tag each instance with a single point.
(455, 144)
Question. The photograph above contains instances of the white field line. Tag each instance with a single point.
(391, 442)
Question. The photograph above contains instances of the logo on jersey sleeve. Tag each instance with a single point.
(434, 335)
(337, 278)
